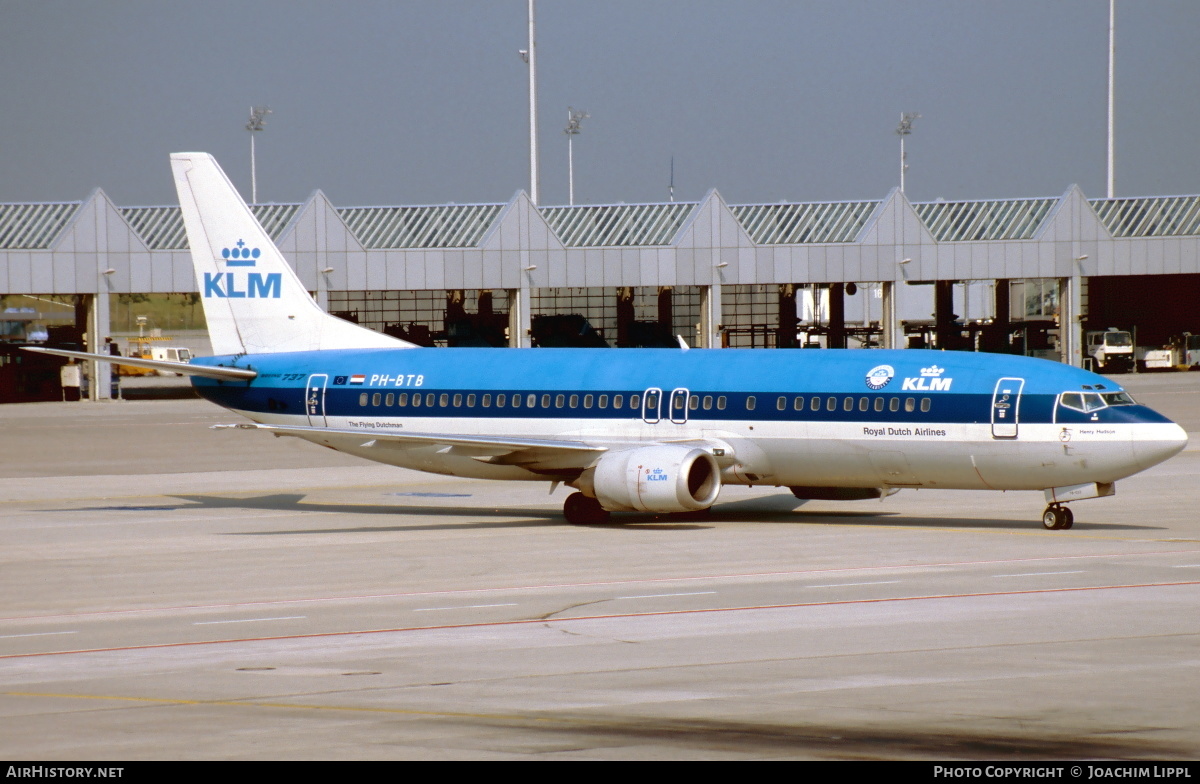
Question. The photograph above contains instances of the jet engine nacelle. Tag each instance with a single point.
(660, 478)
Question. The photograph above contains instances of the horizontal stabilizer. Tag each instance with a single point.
(207, 371)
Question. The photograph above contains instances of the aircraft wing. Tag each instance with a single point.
(549, 455)
(208, 371)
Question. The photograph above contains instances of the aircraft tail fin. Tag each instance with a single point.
(253, 301)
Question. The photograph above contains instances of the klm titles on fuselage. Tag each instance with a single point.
(251, 285)
(930, 379)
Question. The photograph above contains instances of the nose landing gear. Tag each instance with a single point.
(1057, 518)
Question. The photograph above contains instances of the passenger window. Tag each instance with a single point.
(878, 404)
(925, 403)
(531, 400)
(750, 403)
(416, 401)
(693, 402)
(587, 401)
(707, 402)
(375, 399)
(831, 403)
(443, 400)
(635, 401)
(457, 400)
(470, 401)
(574, 401)
(429, 400)
(603, 401)
(559, 400)
(781, 403)
(403, 399)
(545, 401)
(720, 402)
(848, 404)
(863, 404)
(815, 403)
(798, 404)
(486, 402)
(501, 399)
(387, 401)
(362, 399)
(910, 404)
(618, 400)
(894, 404)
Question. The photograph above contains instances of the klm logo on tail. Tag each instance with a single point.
(252, 285)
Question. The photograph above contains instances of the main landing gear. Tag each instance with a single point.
(1057, 518)
(580, 509)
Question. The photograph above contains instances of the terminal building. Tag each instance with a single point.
(1016, 275)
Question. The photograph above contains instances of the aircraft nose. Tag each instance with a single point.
(1158, 444)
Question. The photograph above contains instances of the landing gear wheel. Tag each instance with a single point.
(579, 509)
(1057, 518)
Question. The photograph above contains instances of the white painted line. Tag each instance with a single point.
(38, 634)
(843, 585)
(1186, 566)
(465, 607)
(657, 595)
(252, 620)
(1038, 574)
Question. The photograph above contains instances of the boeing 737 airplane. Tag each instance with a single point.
(649, 430)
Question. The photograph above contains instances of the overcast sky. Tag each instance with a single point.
(401, 102)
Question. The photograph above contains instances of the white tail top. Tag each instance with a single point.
(253, 301)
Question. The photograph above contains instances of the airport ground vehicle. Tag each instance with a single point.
(1111, 350)
(1180, 353)
(149, 347)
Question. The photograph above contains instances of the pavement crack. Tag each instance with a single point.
(550, 615)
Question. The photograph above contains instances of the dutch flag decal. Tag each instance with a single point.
(357, 378)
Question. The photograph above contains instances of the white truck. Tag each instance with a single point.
(1111, 350)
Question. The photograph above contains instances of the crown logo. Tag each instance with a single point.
(240, 255)
(933, 371)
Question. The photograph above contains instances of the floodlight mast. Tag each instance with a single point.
(530, 57)
(258, 118)
(574, 120)
(1112, 117)
(903, 130)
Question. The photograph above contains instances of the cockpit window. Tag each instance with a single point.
(1118, 399)
(1083, 401)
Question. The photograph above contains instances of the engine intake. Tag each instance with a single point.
(660, 478)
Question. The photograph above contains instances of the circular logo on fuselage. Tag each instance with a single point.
(879, 376)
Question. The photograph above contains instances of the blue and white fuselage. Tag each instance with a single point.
(853, 418)
(644, 429)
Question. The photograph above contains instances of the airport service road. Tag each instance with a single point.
(174, 592)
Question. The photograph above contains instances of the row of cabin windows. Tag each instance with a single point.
(501, 400)
(865, 403)
(706, 402)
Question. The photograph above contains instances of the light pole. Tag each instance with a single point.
(258, 117)
(574, 119)
(903, 130)
(1112, 64)
(530, 57)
